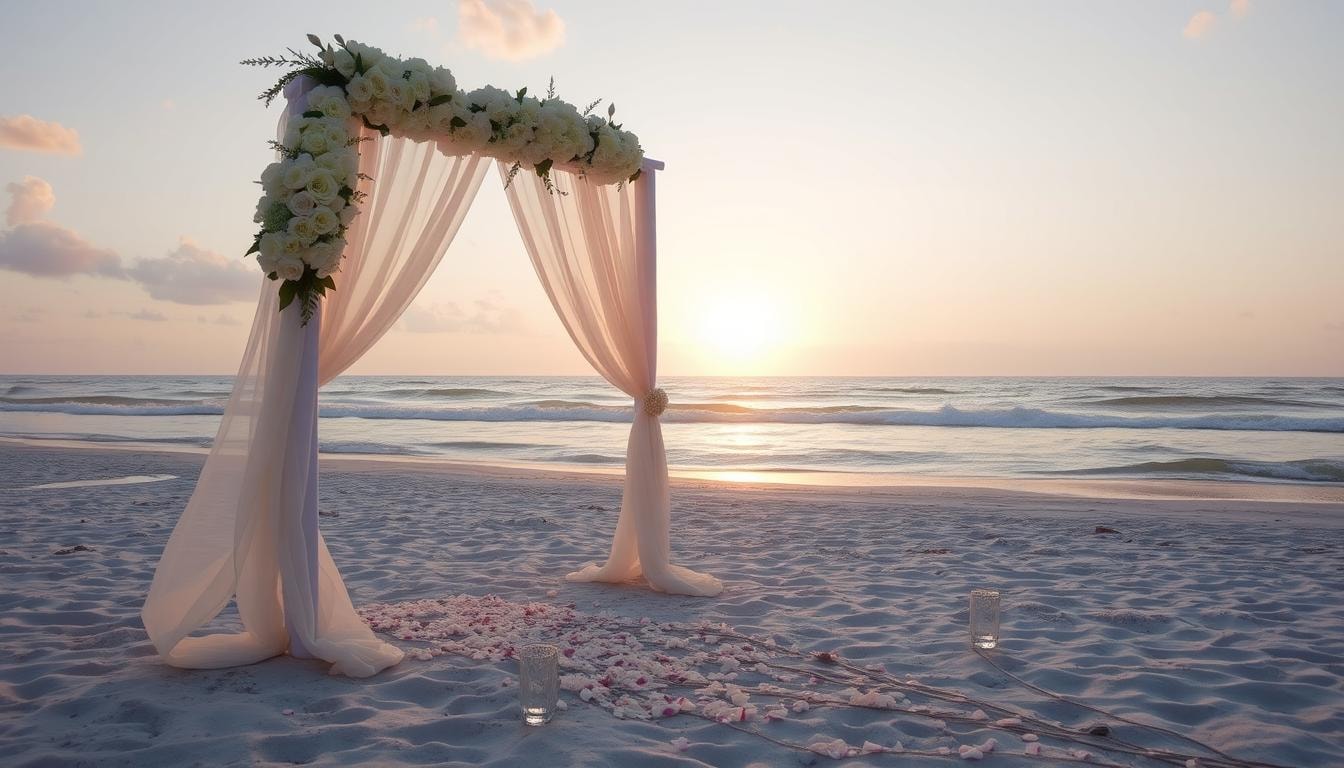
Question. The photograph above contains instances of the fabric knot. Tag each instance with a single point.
(655, 402)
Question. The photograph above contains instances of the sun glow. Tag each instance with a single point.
(739, 332)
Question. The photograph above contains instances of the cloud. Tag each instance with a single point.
(44, 249)
(1199, 25)
(148, 315)
(30, 200)
(1240, 8)
(220, 320)
(509, 29)
(193, 275)
(28, 133)
(487, 316)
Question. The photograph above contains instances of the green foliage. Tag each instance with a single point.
(309, 289)
(277, 217)
(282, 149)
(381, 129)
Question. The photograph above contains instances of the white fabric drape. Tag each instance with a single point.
(249, 531)
(594, 249)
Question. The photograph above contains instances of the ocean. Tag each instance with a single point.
(1244, 429)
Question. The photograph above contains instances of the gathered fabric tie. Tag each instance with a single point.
(655, 402)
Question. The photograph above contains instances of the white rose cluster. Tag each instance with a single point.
(309, 195)
(408, 97)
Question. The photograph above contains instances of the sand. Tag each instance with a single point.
(1219, 619)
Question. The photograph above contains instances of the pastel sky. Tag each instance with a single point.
(885, 188)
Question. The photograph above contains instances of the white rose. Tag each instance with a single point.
(322, 186)
(291, 137)
(399, 93)
(302, 203)
(335, 108)
(323, 221)
(314, 141)
(341, 162)
(337, 136)
(378, 82)
(291, 245)
(273, 178)
(348, 214)
(393, 68)
(441, 80)
(515, 137)
(263, 205)
(272, 246)
(268, 263)
(359, 90)
(303, 228)
(368, 55)
(297, 171)
(289, 267)
(419, 84)
(344, 62)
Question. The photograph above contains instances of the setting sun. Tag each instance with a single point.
(738, 331)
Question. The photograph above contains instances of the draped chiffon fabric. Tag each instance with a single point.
(594, 249)
(249, 532)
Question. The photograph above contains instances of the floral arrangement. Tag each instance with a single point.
(310, 195)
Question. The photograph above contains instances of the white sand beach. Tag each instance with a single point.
(1220, 620)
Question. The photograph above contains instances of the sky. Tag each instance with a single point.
(1148, 187)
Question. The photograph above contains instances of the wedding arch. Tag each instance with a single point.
(379, 160)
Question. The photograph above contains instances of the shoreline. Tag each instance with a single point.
(847, 483)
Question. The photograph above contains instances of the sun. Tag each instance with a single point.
(739, 332)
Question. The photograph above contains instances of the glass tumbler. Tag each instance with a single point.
(984, 618)
(538, 682)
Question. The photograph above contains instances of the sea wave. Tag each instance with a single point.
(1208, 400)
(1306, 470)
(696, 413)
(37, 403)
(443, 392)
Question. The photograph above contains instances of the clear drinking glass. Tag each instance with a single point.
(538, 682)
(984, 618)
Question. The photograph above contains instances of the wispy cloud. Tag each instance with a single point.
(29, 200)
(1199, 25)
(148, 315)
(41, 248)
(26, 132)
(219, 320)
(1240, 8)
(189, 274)
(485, 316)
(44, 249)
(509, 29)
(193, 275)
